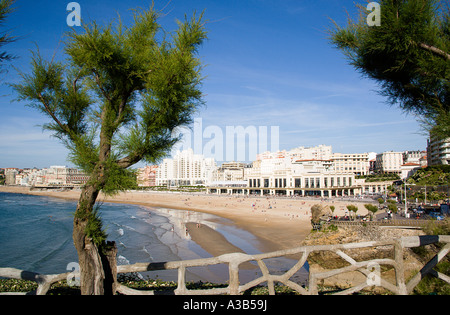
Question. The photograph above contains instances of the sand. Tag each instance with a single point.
(278, 223)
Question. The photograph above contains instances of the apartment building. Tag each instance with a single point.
(231, 172)
(438, 151)
(357, 163)
(186, 169)
(10, 175)
(146, 177)
(320, 152)
(389, 162)
(55, 176)
(414, 156)
(64, 176)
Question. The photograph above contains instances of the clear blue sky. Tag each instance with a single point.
(269, 63)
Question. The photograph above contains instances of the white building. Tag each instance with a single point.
(413, 156)
(10, 176)
(389, 162)
(409, 169)
(321, 152)
(438, 152)
(186, 169)
(231, 172)
(64, 176)
(284, 176)
(357, 163)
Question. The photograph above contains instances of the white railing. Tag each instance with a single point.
(401, 287)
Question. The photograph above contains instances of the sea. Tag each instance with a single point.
(36, 235)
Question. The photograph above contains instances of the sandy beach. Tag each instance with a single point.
(279, 223)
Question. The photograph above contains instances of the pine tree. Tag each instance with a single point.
(118, 99)
(408, 55)
(6, 8)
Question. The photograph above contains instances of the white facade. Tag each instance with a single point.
(231, 172)
(186, 169)
(300, 177)
(389, 162)
(409, 169)
(439, 152)
(413, 156)
(355, 163)
(54, 176)
(321, 152)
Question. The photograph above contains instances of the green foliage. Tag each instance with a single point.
(392, 207)
(120, 97)
(14, 285)
(352, 208)
(371, 208)
(432, 175)
(94, 227)
(6, 37)
(379, 177)
(122, 93)
(433, 286)
(408, 56)
(438, 228)
(118, 179)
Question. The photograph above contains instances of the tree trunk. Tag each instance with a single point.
(97, 264)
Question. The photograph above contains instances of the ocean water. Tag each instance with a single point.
(36, 235)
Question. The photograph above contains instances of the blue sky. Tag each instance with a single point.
(269, 63)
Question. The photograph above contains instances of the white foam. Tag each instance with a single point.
(121, 260)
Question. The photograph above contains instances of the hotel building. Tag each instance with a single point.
(389, 162)
(357, 164)
(185, 169)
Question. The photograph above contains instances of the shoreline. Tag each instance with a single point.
(278, 223)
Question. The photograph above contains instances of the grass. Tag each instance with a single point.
(62, 288)
(428, 286)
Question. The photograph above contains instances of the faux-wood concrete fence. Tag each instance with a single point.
(367, 268)
(391, 222)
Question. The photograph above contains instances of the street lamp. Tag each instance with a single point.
(406, 199)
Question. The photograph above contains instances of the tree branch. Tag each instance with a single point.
(129, 161)
(100, 86)
(435, 51)
(47, 109)
(74, 84)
